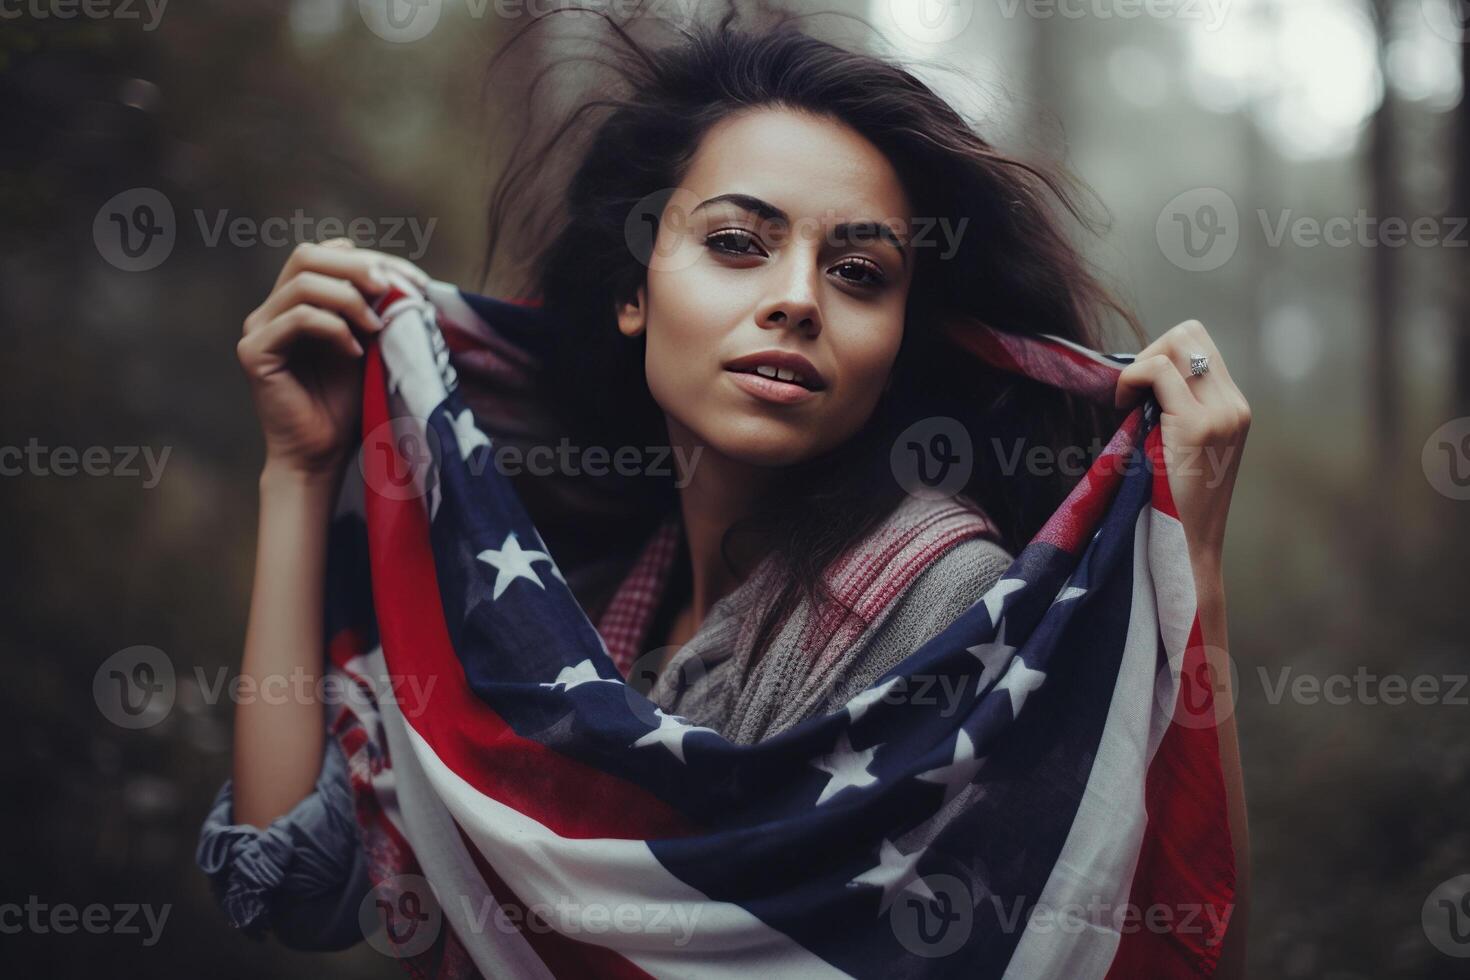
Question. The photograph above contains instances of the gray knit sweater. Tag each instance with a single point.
(798, 677)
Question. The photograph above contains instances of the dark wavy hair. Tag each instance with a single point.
(1014, 269)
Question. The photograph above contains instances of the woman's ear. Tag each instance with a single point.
(633, 314)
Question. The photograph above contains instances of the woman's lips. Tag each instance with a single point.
(771, 390)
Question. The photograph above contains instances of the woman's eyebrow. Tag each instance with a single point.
(746, 202)
(769, 212)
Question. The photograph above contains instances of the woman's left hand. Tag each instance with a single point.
(1204, 423)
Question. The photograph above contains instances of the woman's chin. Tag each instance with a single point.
(762, 443)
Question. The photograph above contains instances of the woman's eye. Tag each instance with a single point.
(733, 241)
(867, 273)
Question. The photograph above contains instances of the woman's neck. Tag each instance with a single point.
(715, 492)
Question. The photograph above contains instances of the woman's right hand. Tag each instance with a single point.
(300, 352)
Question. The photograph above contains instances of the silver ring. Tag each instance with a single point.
(1199, 364)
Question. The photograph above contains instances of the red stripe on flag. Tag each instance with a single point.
(570, 798)
(1186, 863)
(1163, 497)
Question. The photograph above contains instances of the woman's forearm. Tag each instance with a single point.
(279, 730)
(1210, 596)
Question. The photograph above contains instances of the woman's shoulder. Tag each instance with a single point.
(967, 559)
(923, 544)
(951, 581)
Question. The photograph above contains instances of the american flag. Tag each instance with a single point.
(1016, 799)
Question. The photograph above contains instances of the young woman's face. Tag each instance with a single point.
(807, 258)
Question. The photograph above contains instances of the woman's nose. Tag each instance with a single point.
(794, 303)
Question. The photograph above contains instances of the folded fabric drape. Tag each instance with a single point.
(1009, 801)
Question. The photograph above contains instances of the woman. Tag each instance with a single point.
(820, 216)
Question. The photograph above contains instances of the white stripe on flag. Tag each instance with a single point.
(446, 863)
(1094, 871)
(615, 893)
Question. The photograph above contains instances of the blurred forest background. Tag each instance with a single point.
(1347, 540)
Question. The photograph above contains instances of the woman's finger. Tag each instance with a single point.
(1183, 341)
(271, 341)
(1156, 373)
(316, 289)
(341, 259)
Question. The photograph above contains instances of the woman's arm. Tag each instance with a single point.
(300, 351)
(1210, 595)
(278, 740)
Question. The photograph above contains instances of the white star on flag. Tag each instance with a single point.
(670, 733)
(859, 705)
(1018, 682)
(993, 657)
(466, 433)
(960, 772)
(896, 872)
(582, 673)
(1069, 592)
(511, 562)
(847, 766)
(996, 597)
